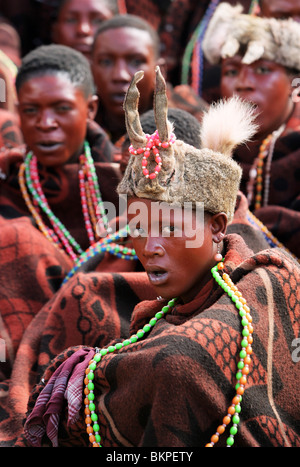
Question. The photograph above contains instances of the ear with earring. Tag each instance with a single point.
(218, 257)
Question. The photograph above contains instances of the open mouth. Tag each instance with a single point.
(118, 97)
(48, 146)
(158, 277)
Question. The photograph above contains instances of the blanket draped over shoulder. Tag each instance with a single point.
(282, 213)
(90, 309)
(173, 387)
(61, 185)
(31, 267)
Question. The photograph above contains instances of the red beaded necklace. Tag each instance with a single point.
(91, 202)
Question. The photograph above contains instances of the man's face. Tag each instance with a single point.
(118, 54)
(77, 23)
(53, 115)
(265, 84)
(175, 247)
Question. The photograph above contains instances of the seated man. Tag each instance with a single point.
(122, 46)
(213, 351)
(260, 60)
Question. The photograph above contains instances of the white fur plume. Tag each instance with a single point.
(227, 124)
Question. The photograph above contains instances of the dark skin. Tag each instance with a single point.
(77, 23)
(281, 9)
(266, 84)
(117, 55)
(175, 267)
(54, 115)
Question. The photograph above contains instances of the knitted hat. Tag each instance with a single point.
(267, 38)
(165, 169)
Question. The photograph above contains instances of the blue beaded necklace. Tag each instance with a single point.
(107, 244)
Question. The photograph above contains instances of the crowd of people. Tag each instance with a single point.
(121, 325)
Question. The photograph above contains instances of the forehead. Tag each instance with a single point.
(79, 6)
(237, 60)
(49, 85)
(123, 39)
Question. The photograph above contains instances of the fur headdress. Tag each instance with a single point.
(268, 38)
(182, 173)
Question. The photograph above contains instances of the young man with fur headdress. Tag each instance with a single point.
(209, 362)
(260, 60)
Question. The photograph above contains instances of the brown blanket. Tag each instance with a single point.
(90, 309)
(173, 387)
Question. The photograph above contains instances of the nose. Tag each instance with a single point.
(84, 27)
(120, 71)
(46, 120)
(152, 246)
(244, 81)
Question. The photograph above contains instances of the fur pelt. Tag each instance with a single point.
(268, 38)
(188, 175)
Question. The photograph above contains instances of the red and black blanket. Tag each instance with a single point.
(173, 387)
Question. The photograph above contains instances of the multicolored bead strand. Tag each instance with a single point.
(90, 199)
(270, 238)
(256, 171)
(197, 59)
(192, 61)
(106, 245)
(243, 365)
(44, 229)
(91, 419)
(94, 188)
(153, 144)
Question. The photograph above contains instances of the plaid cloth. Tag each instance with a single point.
(66, 383)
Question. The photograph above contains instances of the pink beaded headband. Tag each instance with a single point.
(153, 144)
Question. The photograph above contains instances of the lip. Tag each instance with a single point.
(118, 97)
(48, 146)
(157, 275)
(84, 47)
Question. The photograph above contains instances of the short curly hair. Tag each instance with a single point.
(54, 59)
(130, 21)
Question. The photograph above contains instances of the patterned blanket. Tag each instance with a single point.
(90, 309)
(173, 387)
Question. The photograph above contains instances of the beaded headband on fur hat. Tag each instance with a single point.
(163, 168)
(263, 38)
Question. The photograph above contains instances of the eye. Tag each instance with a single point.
(263, 70)
(137, 61)
(29, 110)
(168, 230)
(104, 61)
(62, 108)
(230, 72)
(136, 231)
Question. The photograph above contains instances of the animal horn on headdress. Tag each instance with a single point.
(132, 118)
(160, 105)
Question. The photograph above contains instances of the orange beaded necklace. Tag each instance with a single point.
(233, 411)
(256, 171)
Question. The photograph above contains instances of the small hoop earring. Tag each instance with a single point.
(218, 257)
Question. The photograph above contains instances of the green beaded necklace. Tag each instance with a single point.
(91, 417)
